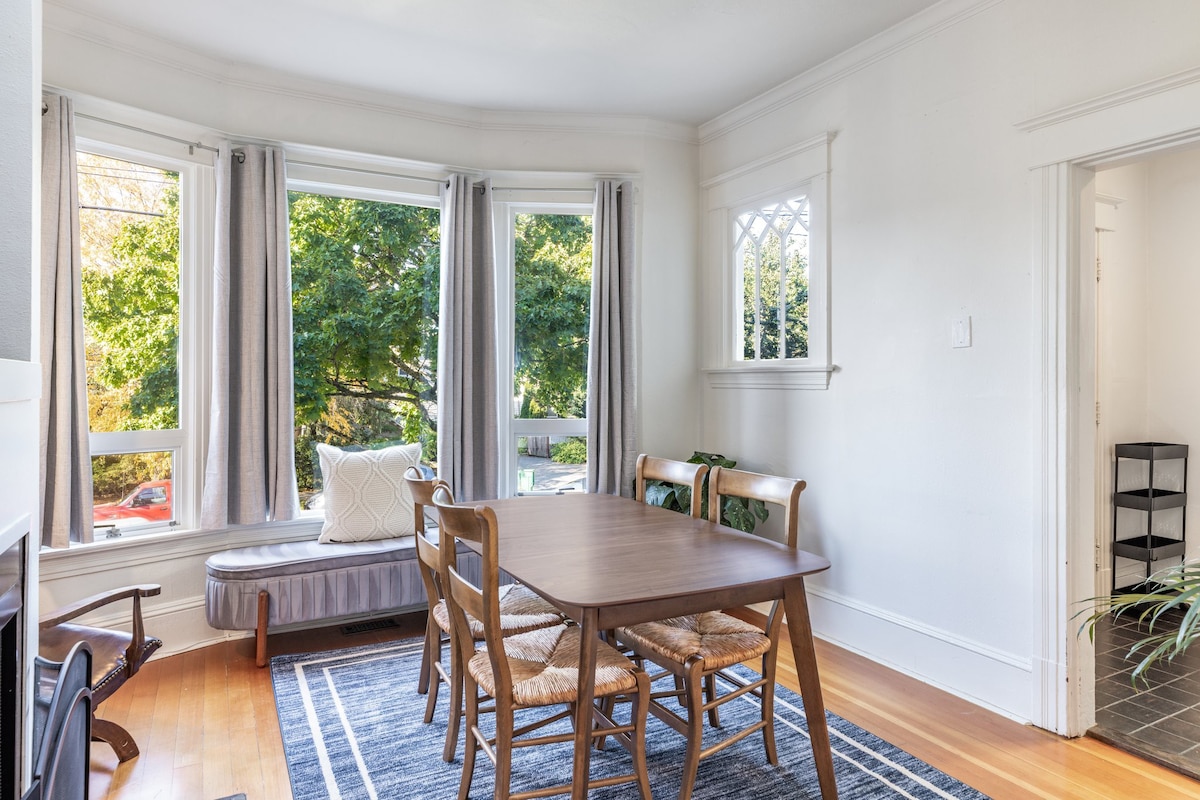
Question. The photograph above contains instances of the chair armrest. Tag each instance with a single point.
(96, 601)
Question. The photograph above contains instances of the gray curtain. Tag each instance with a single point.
(66, 465)
(250, 475)
(467, 426)
(611, 353)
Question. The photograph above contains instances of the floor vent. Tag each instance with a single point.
(369, 625)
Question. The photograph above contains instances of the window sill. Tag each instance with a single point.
(770, 376)
(81, 559)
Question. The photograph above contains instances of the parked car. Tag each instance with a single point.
(150, 501)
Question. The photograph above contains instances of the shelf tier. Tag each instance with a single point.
(1157, 548)
(1152, 451)
(1149, 500)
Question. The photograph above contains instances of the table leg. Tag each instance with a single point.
(589, 633)
(795, 604)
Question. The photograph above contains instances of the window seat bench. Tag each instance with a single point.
(253, 588)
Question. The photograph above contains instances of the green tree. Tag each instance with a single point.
(553, 286)
(130, 285)
(795, 297)
(365, 318)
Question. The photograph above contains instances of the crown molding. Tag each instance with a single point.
(97, 30)
(1111, 100)
(901, 36)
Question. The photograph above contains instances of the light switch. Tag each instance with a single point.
(960, 331)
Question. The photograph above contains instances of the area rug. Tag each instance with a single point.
(351, 723)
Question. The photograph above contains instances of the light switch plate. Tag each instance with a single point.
(960, 331)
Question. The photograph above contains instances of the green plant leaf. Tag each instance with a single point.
(661, 494)
(737, 515)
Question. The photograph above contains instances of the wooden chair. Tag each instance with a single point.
(528, 670)
(522, 610)
(62, 718)
(696, 648)
(664, 469)
(116, 655)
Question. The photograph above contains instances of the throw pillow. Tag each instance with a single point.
(366, 496)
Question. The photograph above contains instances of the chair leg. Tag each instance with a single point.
(640, 712)
(710, 694)
(693, 689)
(122, 743)
(433, 645)
(504, 739)
(456, 704)
(470, 745)
(768, 705)
(426, 656)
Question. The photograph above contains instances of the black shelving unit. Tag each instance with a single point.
(1149, 546)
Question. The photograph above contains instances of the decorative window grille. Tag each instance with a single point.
(771, 253)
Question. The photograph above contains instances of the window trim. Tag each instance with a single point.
(316, 172)
(186, 442)
(800, 169)
(506, 205)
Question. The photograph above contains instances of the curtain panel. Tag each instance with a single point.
(612, 448)
(467, 396)
(66, 464)
(250, 473)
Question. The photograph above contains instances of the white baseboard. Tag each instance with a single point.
(995, 680)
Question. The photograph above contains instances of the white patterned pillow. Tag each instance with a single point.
(366, 496)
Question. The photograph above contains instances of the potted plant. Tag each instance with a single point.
(736, 512)
(1167, 606)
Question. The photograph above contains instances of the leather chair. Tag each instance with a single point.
(116, 655)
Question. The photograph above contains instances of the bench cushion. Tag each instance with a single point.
(309, 581)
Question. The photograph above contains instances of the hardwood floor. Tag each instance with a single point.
(206, 725)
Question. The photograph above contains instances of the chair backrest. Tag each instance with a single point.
(62, 725)
(678, 472)
(429, 561)
(477, 524)
(725, 482)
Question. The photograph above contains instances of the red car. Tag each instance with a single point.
(150, 501)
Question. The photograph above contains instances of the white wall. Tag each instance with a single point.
(1123, 349)
(921, 460)
(103, 62)
(1149, 375)
(20, 379)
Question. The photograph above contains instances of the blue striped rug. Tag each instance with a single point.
(351, 722)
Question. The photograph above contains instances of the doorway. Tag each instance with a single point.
(1146, 377)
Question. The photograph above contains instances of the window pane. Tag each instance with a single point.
(771, 251)
(553, 291)
(133, 490)
(365, 320)
(551, 463)
(129, 235)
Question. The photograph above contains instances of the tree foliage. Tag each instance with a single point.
(129, 229)
(768, 245)
(553, 285)
(365, 319)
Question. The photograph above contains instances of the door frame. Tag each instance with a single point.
(1068, 145)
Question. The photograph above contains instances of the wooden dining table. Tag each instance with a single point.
(609, 561)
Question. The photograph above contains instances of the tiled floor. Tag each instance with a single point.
(1158, 719)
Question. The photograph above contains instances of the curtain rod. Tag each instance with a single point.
(427, 179)
(190, 145)
(365, 171)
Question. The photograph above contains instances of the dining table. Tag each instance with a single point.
(607, 562)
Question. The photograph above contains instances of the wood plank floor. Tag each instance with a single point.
(205, 722)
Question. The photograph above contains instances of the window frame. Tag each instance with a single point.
(185, 443)
(799, 170)
(313, 172)
(507, 204)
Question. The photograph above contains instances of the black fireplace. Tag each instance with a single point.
(12, 642)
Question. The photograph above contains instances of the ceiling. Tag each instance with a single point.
(674, 60)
